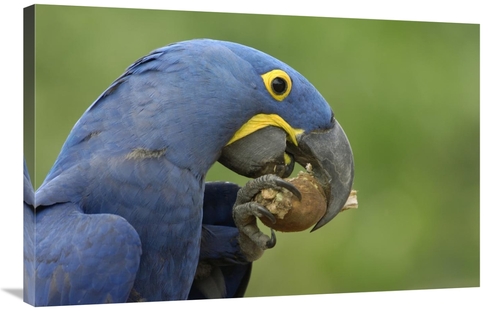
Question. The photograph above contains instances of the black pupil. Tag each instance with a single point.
(279, 86)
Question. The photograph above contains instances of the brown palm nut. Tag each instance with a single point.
(291, 214)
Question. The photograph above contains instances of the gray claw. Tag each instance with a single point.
(252, 241)
(248, 192)
(265, 212)
(272, 242)
(290, 187)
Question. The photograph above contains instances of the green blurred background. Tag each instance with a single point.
(406, 93)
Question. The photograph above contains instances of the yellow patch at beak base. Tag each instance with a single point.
(260, 121)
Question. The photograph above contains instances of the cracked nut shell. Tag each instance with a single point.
(291, 214)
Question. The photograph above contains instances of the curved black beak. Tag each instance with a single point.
(330, 155)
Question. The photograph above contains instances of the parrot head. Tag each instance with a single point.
(199, 101)
(291, 122)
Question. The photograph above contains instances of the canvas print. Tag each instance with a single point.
(174, 155)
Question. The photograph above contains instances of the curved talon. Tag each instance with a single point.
(247, 193)
(265, 212)
(272, 242)
(290, 187)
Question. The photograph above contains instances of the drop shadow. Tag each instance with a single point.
(16, 292)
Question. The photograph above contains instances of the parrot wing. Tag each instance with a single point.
(223, 271)
(77, 258)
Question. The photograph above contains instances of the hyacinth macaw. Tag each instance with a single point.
(125, 213)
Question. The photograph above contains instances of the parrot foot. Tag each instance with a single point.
(245, 212)
(254, 186)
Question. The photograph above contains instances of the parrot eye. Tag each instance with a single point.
(278, 83)
(279, 86)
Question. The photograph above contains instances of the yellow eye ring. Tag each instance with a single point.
(278, 83)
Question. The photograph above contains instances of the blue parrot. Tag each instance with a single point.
(125, 213)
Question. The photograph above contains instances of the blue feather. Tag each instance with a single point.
(119, 216)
